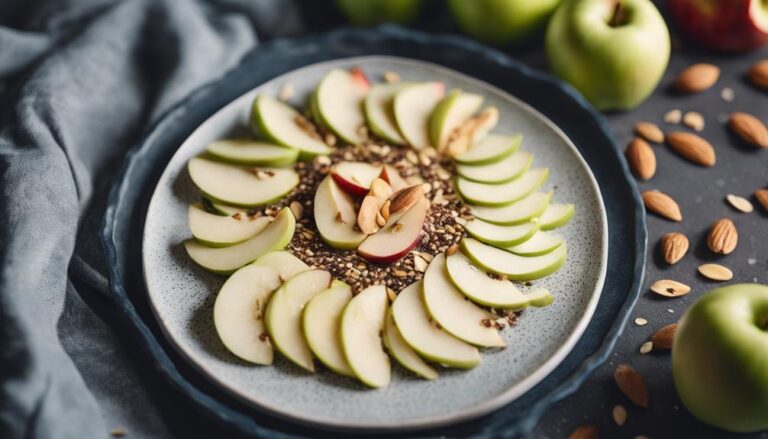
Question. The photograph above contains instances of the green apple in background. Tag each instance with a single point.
(371, 12)
(502, 22)
(613, 51)
(720, 358)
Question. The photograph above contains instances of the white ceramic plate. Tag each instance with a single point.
(182, 294)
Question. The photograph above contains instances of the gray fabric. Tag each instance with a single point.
(79, 82)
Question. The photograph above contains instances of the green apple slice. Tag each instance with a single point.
(540, 244)
(314, 111)
(283, 315)
(380, 112)
(241, 185)
(516, 213)
(425, 337)
(277, 122)
(556, 215)
(501, 236)
(340, 97)
(449, 114)
(335, 216)
(221, 208)
(496, 293)
(362, 324)
(252, 152)
(237, 313)
(413, 107)
(453, 312)
(225, 260)
(221, 231)
(285, 264)
(490, 149)
(514, 267)
(403, 353)
(502, 194)
(321, 322)
(506, 169)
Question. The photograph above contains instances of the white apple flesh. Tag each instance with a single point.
(380, 112)
(539, 244)
(340, 96)
(276, 121)
(495, 195)
(514, 267)
(518, 212)
(252, 152)
(506, 169)
(285, 264)
(355, 178)
(335, 216)
(399, 236)
(450, 113)
(321, 323)
(362, 323)
(403, 353)
(391, 176)
(221, 231)
(500, 236)
(556, 215)
(491, 149)
(413, 107)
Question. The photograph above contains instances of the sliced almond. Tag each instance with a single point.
(762, 197)
(649, 131)
(662, 339)
(673, 116)
(405, 198)
(420, 264)
(723, 237)
(385, 209)
(391, 77)
(366, 217)
(758, 74)
(662, 205)
(297, 209)
(646, 347)
(740, 203)
(670, 288)
(694, 120)
(584, 432)
(641, 158)
(697, 78)
(715, 272)
(641, 321)
(473, 128)
(631, 384)
(692, 147)
(381, 190)
(749, 128)
(674, 246)
(619, 415)
(452, 250)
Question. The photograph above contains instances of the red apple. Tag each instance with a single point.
(355, 178)
(727, 25)
(391, 176)
(399, 236)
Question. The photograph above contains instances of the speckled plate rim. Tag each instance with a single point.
(510, 394)
(120, 205)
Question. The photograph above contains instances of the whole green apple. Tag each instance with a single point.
(371, 12)
(720, 358)
(502, 22)
(613, 51)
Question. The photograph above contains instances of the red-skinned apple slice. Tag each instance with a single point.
(398, 237)
(335, 216)
(391, 176)
(355, 178)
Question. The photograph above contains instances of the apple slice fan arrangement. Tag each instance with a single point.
(385, 219)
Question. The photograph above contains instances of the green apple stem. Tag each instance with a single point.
(618, 18)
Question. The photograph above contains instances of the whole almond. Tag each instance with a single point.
(723, 237)
(762, 197)
(697, 78)
(405, 198)
(649, 131)
(670, 288)
(584, 432)
(662, 339)
(631, 384)
(619, 415)
(749, 128)
(662, 205)
(692, 147)
(758, 74)
(366, 217)
(715, 272)
(641, 158)
(674, 246)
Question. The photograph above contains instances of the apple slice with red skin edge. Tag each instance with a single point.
(380, 114)
(514, 267)
(335, 216)
(495, 195)
(355, 178)
(283, 315)
(276, 121)
(452, 111)
(490, 149)
(518, 212)
(453, 312)
(421, 334)
(362, 325)
(506, 169)
(252, 152)
(556, 215)
(222, 231)
(225, 260)
(321, 321)
(391, 176)
(400, 235)
(413, 107)
(501, 236)
(403, 353)
(285, 264)
(496, 293)
(339, 100)
(539, 244)
(237, 313)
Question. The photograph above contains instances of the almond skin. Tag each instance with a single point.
(762, 197)
(662, 205)
(697, 78)
(405, 198)
(631, 384)
(758, 74)
(584, 432)
(749, 128)
(662, 339)
(641, 159)
(674, 246)
(723, 237)
(650, 132)
(692, 147)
